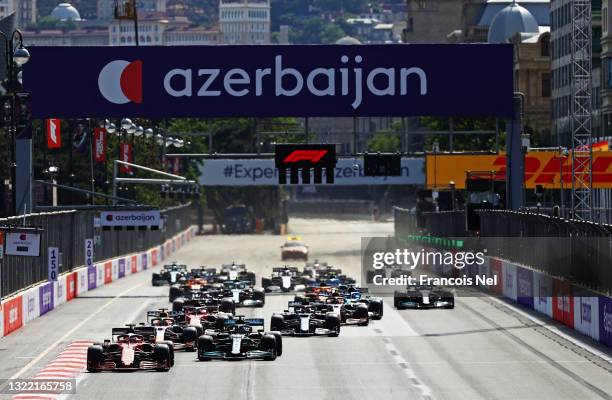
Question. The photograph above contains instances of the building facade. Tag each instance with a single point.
(430, 21)
(244, 21)
(25, 11)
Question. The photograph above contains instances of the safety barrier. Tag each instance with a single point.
(19, 309)
(67, 230)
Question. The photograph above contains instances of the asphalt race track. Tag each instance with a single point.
(483, 349)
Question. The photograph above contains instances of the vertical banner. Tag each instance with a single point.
(89, 252)
(53, 260)
(53, 130)
(125, 150)
(1, 245)
(121, 272)
(605, 320)
(99, 150)
(13, 315)
(46, 298)
(71, 286)
(91, 277)
(108, 272)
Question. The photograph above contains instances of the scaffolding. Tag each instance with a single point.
(581, 111)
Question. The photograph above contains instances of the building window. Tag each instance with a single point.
(546, 85)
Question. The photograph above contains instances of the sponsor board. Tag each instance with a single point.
(509, 280)
(100, 275)
(92, 280)
(13, 315)
(121, 268)
(82, 280)
(225, 172)
(144, 260)
(46, 298)
(60, 290)
(271, 80)
(495, 269)
(541, 168)
(31, 304)
(484, 270)
(130, 218)
(542, 294)
(22, 244)
(134, 264)
(524, 287)
(586, 314)
(154, 257)
(605, 320)
(108, 272)
(563, 303)
(71, 286)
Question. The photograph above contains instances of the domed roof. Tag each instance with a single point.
(348, 40)
(65, 12)
(509, 21)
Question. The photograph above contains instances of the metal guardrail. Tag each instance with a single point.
(68, 230)
(580, 252)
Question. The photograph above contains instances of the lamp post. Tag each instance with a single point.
(16, 56)
(452, 188)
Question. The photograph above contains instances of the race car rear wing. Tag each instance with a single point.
(281, 269)
(139, 330)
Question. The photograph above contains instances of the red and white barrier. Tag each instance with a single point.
(38, 300)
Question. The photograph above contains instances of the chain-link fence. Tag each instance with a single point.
(67, 230)
(578, 251)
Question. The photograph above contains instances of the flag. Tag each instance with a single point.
(99, 145)
(126, 155)
(54, 138)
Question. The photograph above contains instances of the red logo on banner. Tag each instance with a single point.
(54, 138)
(99, 145)
(126, 155)
(305, 155)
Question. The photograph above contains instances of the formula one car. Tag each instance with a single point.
(423, 296)
(285, 279)
(294, 249)
(131, 348)
(235, 272)
(213, 304)
(201, 317)
(237, 340)
(242, 294)
(170, 274)
(351, 313)
(307, 320)
(354, 294)
(167, 329)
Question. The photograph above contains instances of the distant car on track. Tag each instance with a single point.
(294, 249)
(170, 274)
(285, 279)
(299, 319)
(423, 296)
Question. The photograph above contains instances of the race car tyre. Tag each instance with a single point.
(250, 276)
(259, 295)
(174, 293)
(279, 343)
(161, 354)
(395, 300)
(177, 305)
(376, 307)
(220, 321)
(190, 334)
(205, 344)
(451, 304)
(265, 283)
(332, 322)
(227, 306)
(95, 355)
(362, 312)
(171, 347)
(199, 330)
(268, 343)
(277, 322)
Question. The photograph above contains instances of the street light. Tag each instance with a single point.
(126, 123)
(139, 131)
(16, 56)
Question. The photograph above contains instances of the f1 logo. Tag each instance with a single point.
(54, 138)
(313, 156)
